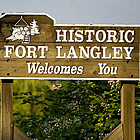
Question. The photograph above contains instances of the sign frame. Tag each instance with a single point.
(72, 25)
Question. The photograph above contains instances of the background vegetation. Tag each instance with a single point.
(75, 110)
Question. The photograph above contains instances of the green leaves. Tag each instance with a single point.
(76, 110)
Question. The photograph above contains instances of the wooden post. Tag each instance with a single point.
(128, 109)
(7, 110)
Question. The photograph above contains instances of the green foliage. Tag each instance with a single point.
(137, 110)
(77, 110)
(24, 89)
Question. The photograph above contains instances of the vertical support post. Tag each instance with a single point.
(7, 110)
(128, 109)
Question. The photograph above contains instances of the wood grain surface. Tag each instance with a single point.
(17, 67)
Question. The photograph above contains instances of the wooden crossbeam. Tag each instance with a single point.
(116, 134)
(19, 135)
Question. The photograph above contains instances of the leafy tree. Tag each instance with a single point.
(24, 88)
(77, 110)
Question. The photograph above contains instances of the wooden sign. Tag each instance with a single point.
(33, 46)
